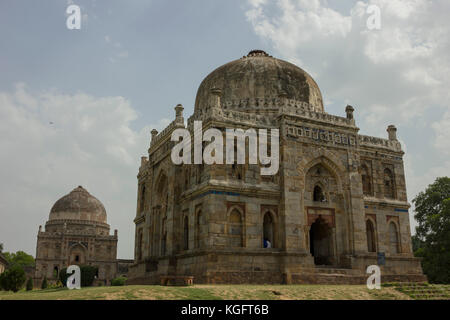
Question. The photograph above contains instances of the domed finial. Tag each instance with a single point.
(80, 189)
(392, 132)
(154, 133)
(179, 113)
(257, 53)
(349, 111)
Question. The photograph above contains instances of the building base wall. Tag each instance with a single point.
(275, 267)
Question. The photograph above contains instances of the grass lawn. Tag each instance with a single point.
(212, 292)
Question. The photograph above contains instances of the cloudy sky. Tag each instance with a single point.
(77, 106)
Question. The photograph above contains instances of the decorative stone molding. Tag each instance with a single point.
(163, 134)
(320, 135)
(369, 141)
(261, 110)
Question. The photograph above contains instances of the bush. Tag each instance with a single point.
(44, 284)
(119, 281)
(87, 275)
(29, 284)
(13, 279)
(56, 285)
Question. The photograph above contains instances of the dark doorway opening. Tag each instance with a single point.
(55, 272)
(320, 242)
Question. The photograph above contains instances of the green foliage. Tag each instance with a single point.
(63, 276)
(20, 258)
(29, 285)
(44, 284)
(1, 247)
(12, 279)
(432, 240)
(119, 281)
(417, 244)
(58, 284)
(87, 275)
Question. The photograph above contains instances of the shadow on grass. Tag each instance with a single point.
(49, 290)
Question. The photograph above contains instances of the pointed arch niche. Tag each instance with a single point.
(269, 221)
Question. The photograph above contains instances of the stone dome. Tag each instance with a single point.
(258, 79)
(78, 205)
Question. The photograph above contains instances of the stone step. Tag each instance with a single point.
(327, 278)
(332, 271)
(340, 272)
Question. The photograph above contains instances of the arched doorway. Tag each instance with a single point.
(186, 234)
(139, 249)
(393, 239)
(55, 272)
(371, 241)
(268, 229)
(320, 242)
(198, 229)
(77, 255)
(235, 229)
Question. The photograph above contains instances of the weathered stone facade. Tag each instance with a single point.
(76, 233)
(338, 199)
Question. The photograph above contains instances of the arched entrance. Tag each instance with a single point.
(370, 232)
(77, 255)
(321, 242)
(268, 230)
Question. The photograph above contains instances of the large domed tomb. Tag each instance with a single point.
(337, 200)
(76, 232)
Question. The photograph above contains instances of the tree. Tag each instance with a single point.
(416, 243)
(44, 284)
(20, 258)
(13, 279)
(29, 284)
(432, 209)
(1, 247)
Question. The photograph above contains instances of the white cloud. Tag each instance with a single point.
(52, 142)
(442, 131)
(397, 75)
(407, 60)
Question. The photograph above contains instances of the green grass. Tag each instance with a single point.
(212, 292)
